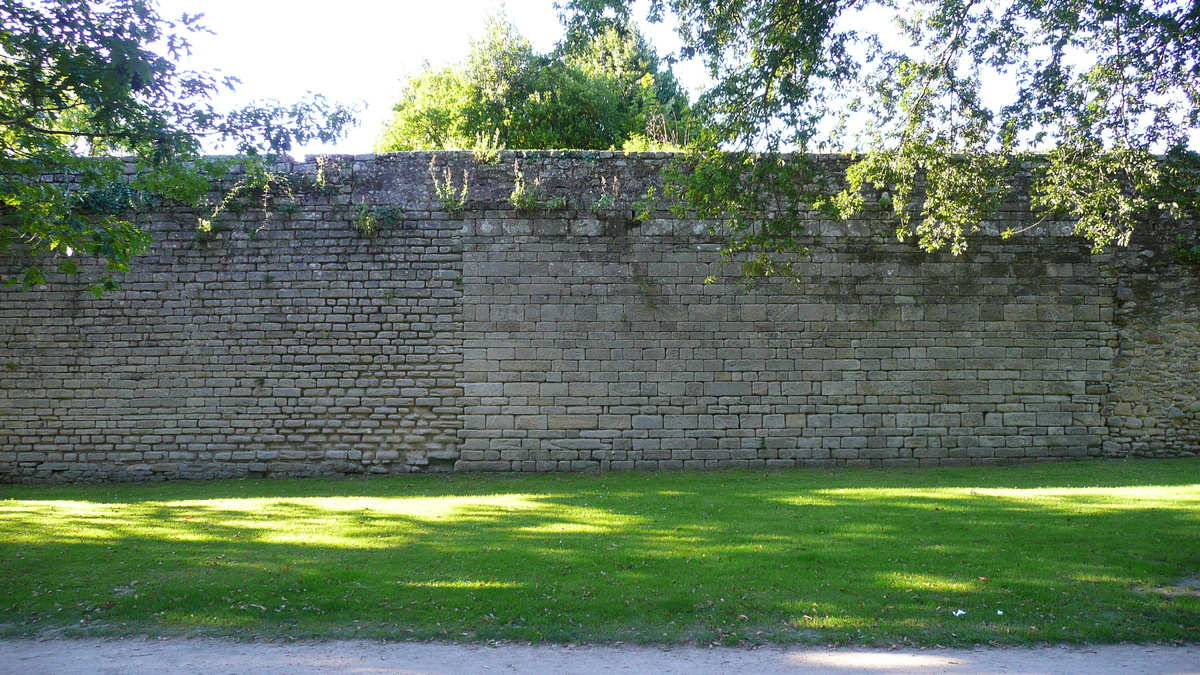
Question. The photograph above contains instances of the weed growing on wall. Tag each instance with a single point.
(487, 149)
(643, 208)
(1189, 255)
(609, 193)
(524, 197)
(205, 230)
(452, 198)
(365, 221)
(288, 209)
(261, 188)
(646, 288)
(368, 219)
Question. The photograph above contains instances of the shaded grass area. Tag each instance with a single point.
(1062, 552)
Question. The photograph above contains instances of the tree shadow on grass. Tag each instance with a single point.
(871, 557)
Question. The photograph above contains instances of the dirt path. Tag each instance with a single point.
(220, 657)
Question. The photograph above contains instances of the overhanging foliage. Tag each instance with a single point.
(1100, 99)
(89, 89)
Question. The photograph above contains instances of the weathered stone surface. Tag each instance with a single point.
(489, 340)
(1153, 407)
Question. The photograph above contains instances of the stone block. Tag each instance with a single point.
(572, 421)
(728, 389)
(647, 422)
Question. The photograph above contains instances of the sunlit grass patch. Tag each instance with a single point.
(927, 582)
(1017, 555)
(458, 584)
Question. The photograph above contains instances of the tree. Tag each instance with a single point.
(593, 92)
(1103, 101)
(84, 94)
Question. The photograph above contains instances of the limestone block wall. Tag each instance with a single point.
(573, 336)
(609, 351)
(1154, 407)
(281, 345)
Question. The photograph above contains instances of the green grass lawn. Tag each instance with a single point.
(1050, 553)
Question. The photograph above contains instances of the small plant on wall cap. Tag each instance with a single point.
(453, 199)
(487, 148)
(524, 197)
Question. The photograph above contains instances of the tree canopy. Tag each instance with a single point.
(946, 98)
(88, 87)
(595, 91)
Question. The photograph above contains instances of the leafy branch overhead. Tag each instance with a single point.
(88, 87)
(947, 99)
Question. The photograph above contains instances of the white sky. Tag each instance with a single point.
(355, 51)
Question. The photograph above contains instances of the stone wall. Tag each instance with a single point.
(1154, 407)
(283, 345)
(289, 343)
